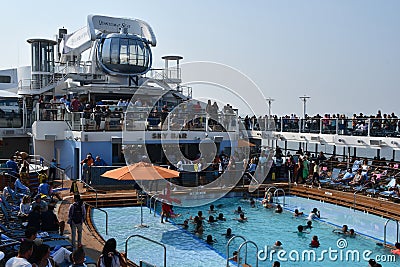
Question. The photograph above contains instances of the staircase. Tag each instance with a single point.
(111, 198)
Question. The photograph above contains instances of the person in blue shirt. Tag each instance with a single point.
(44, 188)
(11, 164)
(52, 170)
(20, 187)
(99, 162)
(252, 167)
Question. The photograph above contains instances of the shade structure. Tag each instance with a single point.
(141, 171)
(144, 172)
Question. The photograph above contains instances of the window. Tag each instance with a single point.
(5, 79)
(106, 51)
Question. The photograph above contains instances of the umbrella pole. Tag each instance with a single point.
(141, 225)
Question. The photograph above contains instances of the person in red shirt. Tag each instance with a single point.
(314, 242)
(165, 212)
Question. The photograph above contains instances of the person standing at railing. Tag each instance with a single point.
(99, 162)
(75, 104)
(54, 106)
(52, 170)
(63, 106)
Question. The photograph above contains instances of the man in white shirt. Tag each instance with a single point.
(24, 252)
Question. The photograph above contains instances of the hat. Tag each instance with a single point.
(38, 196)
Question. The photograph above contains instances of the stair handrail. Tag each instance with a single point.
(93, 207)
(92, 188)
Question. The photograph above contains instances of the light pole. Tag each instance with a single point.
(269, 101)
(304, 99)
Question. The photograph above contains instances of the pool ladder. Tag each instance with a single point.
(243, 244)
(276, 194)
(150, 240)
(384, 230)
(155, 203)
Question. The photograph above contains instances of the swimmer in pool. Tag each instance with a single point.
(242, 218)
(212, 209)
(277, 245)
(185, 224)
(297, 213)
(210, 240)
(239, 210)
(211, 219)
(228, 233)
(352, 233)
(309, 225)
(278, 209)
(343, 230)
(314, 242)
(315, 213)
(396, 251)
(221, 217)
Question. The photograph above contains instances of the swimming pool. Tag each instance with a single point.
(263, 227)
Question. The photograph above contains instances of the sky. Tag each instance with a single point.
(344, 54)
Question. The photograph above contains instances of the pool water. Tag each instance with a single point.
(263, 227)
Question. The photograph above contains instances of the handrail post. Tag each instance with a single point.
(102, 211)
(384, 231)
(245, 258)
(150, 240)
(95, 191)
(227, 247)
(276, 194)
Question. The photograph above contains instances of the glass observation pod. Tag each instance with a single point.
(124, 54)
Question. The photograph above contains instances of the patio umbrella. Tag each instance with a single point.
(142, 171)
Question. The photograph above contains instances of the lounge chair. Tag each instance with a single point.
(331, 181)
(391, 185)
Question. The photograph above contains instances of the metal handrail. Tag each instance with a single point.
(93, 207)
(269, 189)
(227, 247)
(245, 257)
(276, 195)
(384, 231)
(95, 191)
(148, 239)
(155, 201)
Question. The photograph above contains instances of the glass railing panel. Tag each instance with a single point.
(10, 120)
(290, 125)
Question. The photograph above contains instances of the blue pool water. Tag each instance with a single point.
(263, 227)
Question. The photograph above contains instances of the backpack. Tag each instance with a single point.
(77, 215)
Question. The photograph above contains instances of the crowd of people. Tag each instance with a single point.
(357, 124)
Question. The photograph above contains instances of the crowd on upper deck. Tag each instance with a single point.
(380, 124)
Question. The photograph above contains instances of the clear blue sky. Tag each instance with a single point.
(344, 54)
